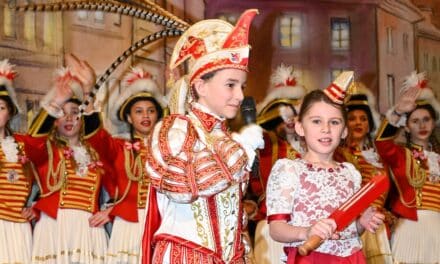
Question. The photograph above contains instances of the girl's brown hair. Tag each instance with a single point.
(315, 97)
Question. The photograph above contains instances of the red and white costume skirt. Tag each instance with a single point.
(417, 241)
(125, 241)
(15, 242)
(68, 239)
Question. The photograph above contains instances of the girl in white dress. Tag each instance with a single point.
(302, 193)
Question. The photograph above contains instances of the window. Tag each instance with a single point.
(425, 61)
(81, 15)
(49, 29)
(390, 40)
(231, 18)
(405, 41)
(290, 31)
(390, 89)
(29, 26)
(99, 17)
(340, 38)
(8, 21)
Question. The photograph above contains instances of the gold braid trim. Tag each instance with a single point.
(418, 178)
(135, 172)
(54, 175)
(131, 172)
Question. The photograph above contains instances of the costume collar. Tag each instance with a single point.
(137, 138)
(208, 119)
(416, 147)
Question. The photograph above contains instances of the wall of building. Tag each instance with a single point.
(315, 57)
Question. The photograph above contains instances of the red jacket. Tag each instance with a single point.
(130, 195)
(399, 159)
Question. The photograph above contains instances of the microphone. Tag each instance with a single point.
(249, 116)
(248, 110)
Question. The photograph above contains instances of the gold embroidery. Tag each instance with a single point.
(416, 177)
(198, 216)
(229, 202)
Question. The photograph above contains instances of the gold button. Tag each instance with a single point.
(92, 188)
(64, 193)
(62, 203)
(89, 208)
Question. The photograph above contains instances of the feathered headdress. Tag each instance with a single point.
(7, 75)
(284, 90)
(137, 83)
(64, 75)
(414, 79)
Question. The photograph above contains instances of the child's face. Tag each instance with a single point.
(143, 116)
(322, 128)
(357, 123)
(420, 125)
(4, 113)
(223, 93)
(69, 126)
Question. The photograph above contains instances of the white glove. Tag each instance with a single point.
(250, 138)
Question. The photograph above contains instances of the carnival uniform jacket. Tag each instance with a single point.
(76, 192)
(127, 158)
(411, 193)
(367, 168)
(200, 172)
(15, 182)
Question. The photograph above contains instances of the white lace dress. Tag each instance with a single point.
(308, 193)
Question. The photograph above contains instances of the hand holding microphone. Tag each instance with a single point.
(251, 135)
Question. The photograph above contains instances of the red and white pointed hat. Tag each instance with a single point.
(214, 44)
(337, 90)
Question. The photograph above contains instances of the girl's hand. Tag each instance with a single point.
(407, 100)
(100, 218)
(371, 219)
(83, 71)
(324, 228)
(28, 213)
(63, 92)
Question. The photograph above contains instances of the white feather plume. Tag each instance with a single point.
(7, 75)
(283, 74)
(412, 80)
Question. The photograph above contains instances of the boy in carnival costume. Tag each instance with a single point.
(199, 168)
